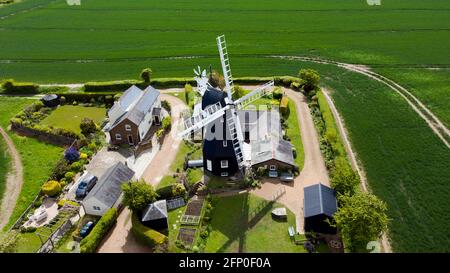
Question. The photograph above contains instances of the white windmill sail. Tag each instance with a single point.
(202, 80)
(223, 51)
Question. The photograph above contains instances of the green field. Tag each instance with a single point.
(239, 224)
(69, 117)
(4, 166)
(38, 158)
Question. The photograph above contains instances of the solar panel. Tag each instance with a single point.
(175, 203)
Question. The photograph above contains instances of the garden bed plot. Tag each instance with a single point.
(187, 235)
(193, 212)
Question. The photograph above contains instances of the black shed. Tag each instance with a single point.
(319, 205)
(155, 215)
(51, 100)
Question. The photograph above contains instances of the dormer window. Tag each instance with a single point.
(127, 127)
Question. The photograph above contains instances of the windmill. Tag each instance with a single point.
(208, 115)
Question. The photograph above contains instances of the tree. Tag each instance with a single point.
(216, 80)
(345, 181)
(137, 195)
(88, 126)
(146, 74)
(187, 93)
(310, 79)
(9, 242)
(71, 154)
(361, 218)
(238, 92)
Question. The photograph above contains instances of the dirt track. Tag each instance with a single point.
(14, 181)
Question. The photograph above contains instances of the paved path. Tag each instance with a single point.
(313, 172)
(120, 239)
(14, 181)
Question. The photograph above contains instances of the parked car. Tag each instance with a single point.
(86, 229)
(86, 184)
(287, 177)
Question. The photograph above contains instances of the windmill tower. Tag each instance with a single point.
(225, 107)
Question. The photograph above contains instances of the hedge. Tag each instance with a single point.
(121, 86)
(105, 97)
(284, 105)
(90, 243)
(166, 192)
(146, 235)
(51, 188)
(13, 87)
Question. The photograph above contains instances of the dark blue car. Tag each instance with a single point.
(86, 184)
(84, 231)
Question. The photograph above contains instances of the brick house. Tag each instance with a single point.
(132, 116)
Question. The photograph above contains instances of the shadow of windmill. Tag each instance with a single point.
(253, 216)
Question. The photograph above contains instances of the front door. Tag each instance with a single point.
(157, 121)
(130, 140)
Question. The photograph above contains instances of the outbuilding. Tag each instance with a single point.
(319, 205)
(51, 100)
(108, 191)
(155, 215)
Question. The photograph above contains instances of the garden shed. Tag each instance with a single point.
(155, 215)
(51, 100)
(319, 205)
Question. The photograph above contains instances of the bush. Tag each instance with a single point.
(168, 192)
(12, 87)
(51, 188)
(284, 105)
(178, 189)
(69, 176)
(76, 167)
(166, 105)
(146, 235)
(88, 126)
(137, 195)
(277, 93)
(90, 243)
(167, 123)
(310, 79)
(83, 156)
(71, 154)
(146, 75)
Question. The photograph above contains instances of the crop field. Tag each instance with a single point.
(405, 163)
(87, 42)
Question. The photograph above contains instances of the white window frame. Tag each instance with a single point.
(273, 168)
(209, 165)
(223, 174)
(224, 164)
(118, 137)
(225, 143)
(128, 127)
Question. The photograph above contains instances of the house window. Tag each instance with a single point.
(118, 137)
(224, 174)
(96, 208)
(273, 167)
(225, 143)
(127, 127)
(209, 165)
(224, 163)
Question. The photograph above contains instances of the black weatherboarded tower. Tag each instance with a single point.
(219, 157)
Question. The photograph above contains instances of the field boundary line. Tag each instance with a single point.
(14, 181)
(353, 159)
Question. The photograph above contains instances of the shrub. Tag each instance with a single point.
(69, 176)
(178, 189)
(146, 235)
(51, 188)
(83, 156)
(310, 79)
(137, 195)
(88, 126)
(76, 167)
(168, 192)
(71, 154)
(167, 123)
(10, 86)
(284, 105)
(166, 105)
(90, 243)
(277, 93)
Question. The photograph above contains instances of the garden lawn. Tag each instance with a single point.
(174, 227)
(293, 131)
(69, 117)
(5, 164)
(38, 158)
(239, 226)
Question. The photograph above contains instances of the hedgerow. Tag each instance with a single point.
(146, 235)
(90, 243)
